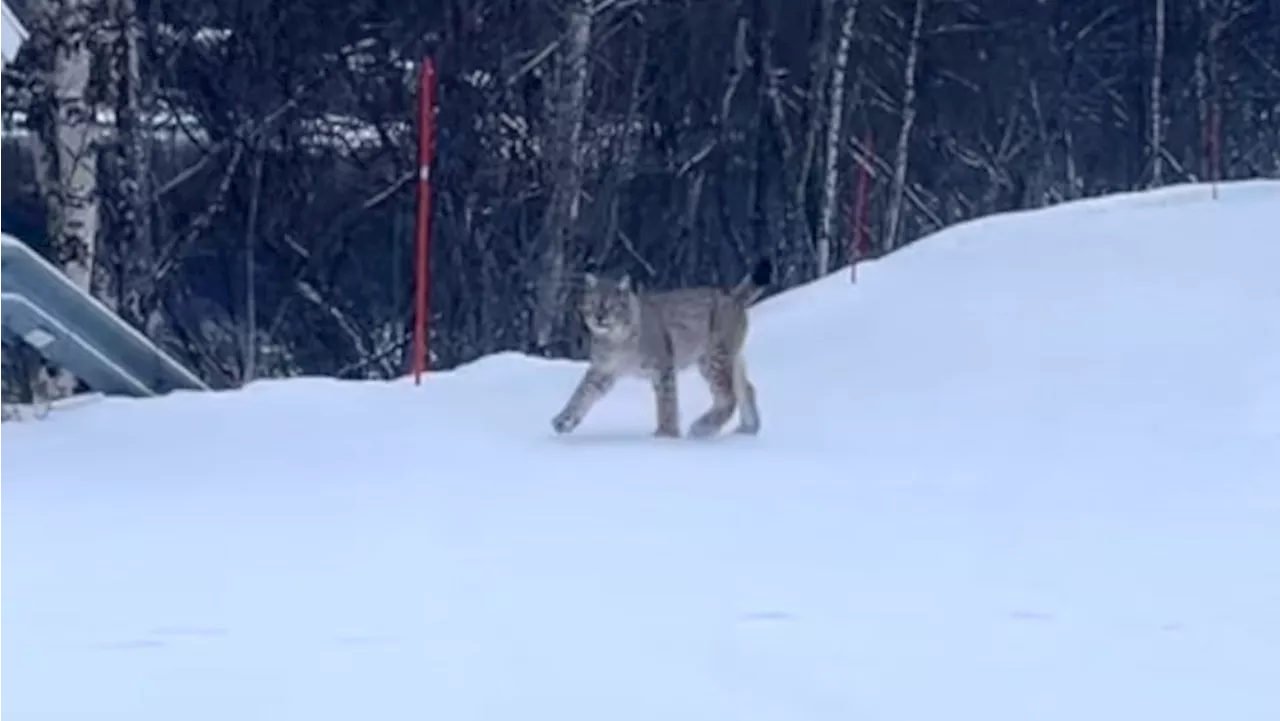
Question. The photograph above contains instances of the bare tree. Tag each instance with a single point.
(1157, 116)
(66, 147)
(701, 133)
(835, 120)
(66, 151)
(131, 195)
(817, 112)
(1203, 60)
(566, 176)
(903, 148)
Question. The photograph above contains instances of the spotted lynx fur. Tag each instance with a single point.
(657, 335)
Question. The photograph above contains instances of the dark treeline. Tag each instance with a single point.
(251, 200)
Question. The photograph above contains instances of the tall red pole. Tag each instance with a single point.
(426, 142)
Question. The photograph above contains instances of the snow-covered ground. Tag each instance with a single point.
(1027, 469)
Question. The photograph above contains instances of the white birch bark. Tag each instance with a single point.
(835, 125)
(901, 158)
(1157, 117)
(818, 93)
(131, 236)
(1201, 79)
(66, 147)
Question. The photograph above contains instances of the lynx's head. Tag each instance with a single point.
(610, 308)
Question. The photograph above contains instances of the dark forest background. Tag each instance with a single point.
(254, 184)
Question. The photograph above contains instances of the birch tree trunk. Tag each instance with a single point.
(65, 150)
(566, 158)
(1157, 117)
(1214, 120)
(816, 113)
(818, 92)
(627, 159)
(835, 125)
(1075, 184)
(250, 339)
(901, 153)
(131, 229)
(1203, 72)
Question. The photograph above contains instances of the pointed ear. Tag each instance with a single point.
(625, 283)
(590, 279)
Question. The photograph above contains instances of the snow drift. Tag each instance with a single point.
(1028, 468)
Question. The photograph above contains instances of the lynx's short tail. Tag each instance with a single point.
(752, 287)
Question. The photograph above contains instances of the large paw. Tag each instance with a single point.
(703, 428)
(667, 433)
(565, 422)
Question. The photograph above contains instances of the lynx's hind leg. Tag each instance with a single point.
(745, 392)
(717, 369)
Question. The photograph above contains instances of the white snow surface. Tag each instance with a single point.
(1026, 469)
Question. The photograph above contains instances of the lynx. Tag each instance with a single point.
(656, 335)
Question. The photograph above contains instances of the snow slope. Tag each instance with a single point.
(1027, 469)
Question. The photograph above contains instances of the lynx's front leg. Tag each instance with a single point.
(594, 384)
(668, 403)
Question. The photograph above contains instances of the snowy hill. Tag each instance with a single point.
(1027, 469)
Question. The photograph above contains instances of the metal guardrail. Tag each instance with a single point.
(40, 305)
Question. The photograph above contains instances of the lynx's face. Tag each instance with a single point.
(609, 308)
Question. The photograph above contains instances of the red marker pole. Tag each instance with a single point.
(426, 142)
